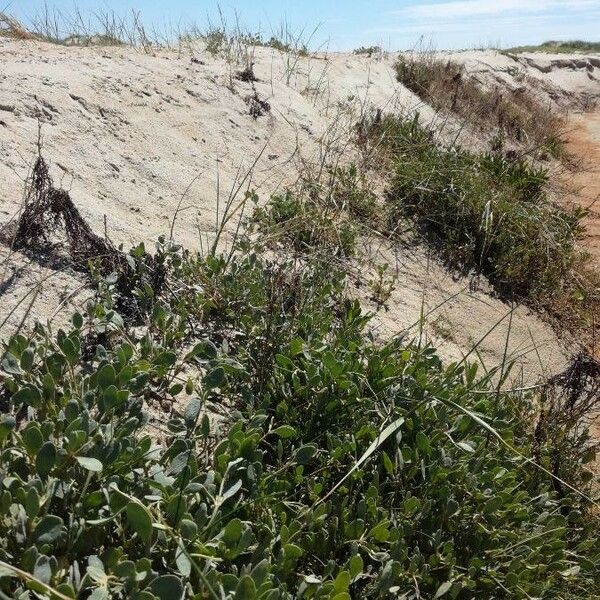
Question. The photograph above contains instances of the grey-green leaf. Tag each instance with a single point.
(140, 520)
(443, 589)
(192, 410)
(7, 424)
(246, 588)
(45, 459)
(106, 376)
(27, 357)
(215, 378)
(167, 587)
(285, 431)
(48, 530)
(10, 364)
(27, 395)
(304, 454)
(91, 464)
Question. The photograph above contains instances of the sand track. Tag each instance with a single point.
(584, 145)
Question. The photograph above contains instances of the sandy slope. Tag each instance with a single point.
(129, 134)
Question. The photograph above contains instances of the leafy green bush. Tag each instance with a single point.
(342, 469)
(486, 212)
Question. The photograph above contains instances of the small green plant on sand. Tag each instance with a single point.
(352, 192)
(306, 224)
(382, 285)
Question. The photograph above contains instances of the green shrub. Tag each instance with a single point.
(306, 224)
(216, 40)
(487, 212)
(352, 193)
(342, 469)
(368, 50)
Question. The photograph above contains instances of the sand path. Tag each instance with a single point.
(584, 143)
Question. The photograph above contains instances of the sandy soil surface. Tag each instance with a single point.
(584, 145)
(131, 135)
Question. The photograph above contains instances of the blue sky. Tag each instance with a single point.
(393, 24)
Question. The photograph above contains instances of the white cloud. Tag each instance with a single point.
(457, 9)
(471, 23)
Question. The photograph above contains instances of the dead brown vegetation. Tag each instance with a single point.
(50, 220)
(514, 115)
(11, 28)
(256, 106)
(569, 405)
(47, 210)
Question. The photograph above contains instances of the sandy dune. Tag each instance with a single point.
(129, 134)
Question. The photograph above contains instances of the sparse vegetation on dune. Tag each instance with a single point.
(12, 28)
(490, 213)
(305, 224)
(109, 28)
(560, 47)
(501, 114)
(328, 216)
(105, 28)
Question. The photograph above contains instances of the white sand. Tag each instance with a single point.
(128, 134)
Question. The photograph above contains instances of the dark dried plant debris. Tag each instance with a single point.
(47, 210)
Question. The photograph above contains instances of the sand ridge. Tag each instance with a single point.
(129, 134)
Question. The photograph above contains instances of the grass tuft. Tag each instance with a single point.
(14, 29)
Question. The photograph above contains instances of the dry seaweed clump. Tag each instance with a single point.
(256, 106)
(50, 211)
(568, 406)
(46, 210)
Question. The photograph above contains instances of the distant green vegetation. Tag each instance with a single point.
(482, 211)
(368, 50)
(573, 46)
